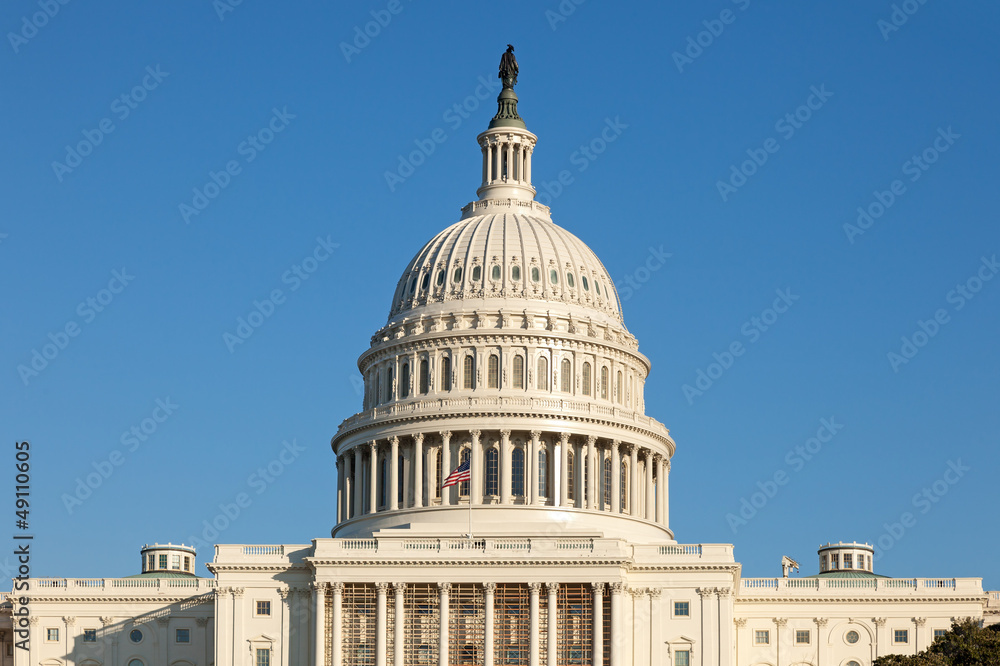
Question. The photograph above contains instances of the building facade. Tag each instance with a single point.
(505, 353)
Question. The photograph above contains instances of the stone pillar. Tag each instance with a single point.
(881, 644)
(162, 628)
(779, 630)
(337, 630)
(658, 462)
(821, 638)
(372, 476)
(564, 470)
(488, 590)
(237, 617)
(505, 467)
(666, 492)
(920, 641)
(418, 470)
(319, 615)
(399, 624)
(553, 623)
(531, 469)
(535, 636)
(444, 588)
(340, 489)
(591, 502)
(633, 482)
(727, 652)
(707, 635)
(598, 639)
(381, 620)
(527, 179)
(284, 606)
(656, 627)
(445, 467)
(304, 606)
(650, 508)
(616, 478)
(617, 588)
(35, 639)
(393, 480)
(357, 481)
(476, 458)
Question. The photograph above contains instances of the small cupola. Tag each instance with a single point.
(159, 558)
(845, 556)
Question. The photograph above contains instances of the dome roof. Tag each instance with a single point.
(507, 255)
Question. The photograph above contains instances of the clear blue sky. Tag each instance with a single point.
(879, 97)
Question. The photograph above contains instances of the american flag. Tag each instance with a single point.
(462, 473)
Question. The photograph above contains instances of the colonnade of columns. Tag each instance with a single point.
(506, 160)
(337, 644)
(507, 468)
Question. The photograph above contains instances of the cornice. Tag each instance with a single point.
(856, 599)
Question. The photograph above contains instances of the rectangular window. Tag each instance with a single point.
(848, 561)
(802, 637)
(187, 563)
(682, 658)
(90, 635)
(175, 562)
(183, 636)
(682, 609)
(151, 562)
(938, 633)
(834, 561)
(861, 562)
(762, 637)
(163, 561)
(901, 636)
(263, 657)
(263, 608)
(52, 634)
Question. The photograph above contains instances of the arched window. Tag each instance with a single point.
(468, 372)
(618, 387)
(383, 478)
(515, 273)
(543, 473)
(388, 385)
(570, 479)
(607, 483)
(586, 378)
(457, 275)
(623, 488)
(570, 282)
(517, 473)
(446, 373)
(554, 276)
(535, 275)
(135, 662)
(566, 379)
(404, 381)
(477, 272)
(377, 389)
(519, 372)
(542, 381)
(427, 281)
(586, 285)
(438, 479)
(604, 383)
(495, 272)
(440, 278)
(492, 472)
(424, 377)
(463, 487)
(493, 376)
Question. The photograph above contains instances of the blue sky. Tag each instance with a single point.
(742, 153)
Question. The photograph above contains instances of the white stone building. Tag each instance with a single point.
(505, 348)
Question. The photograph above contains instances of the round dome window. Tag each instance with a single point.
(852, 637)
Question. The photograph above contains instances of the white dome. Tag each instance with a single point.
(507, 255)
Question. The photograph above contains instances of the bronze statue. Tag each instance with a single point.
(508, 68)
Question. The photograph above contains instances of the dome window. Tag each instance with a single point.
(413, 286)
(493, 374)
(446, 373)
(404, 387)
(457, 275)
(469, 372)
(425, 282)
(477, 272)
(570, 282)
(542, 379)
(554, 276)
(515, 273)
(535, 274)
(424, 384)
(597, 288)
(586, 285)
(495, 273)
(440, 278)
(519, 372)
(586, 378)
